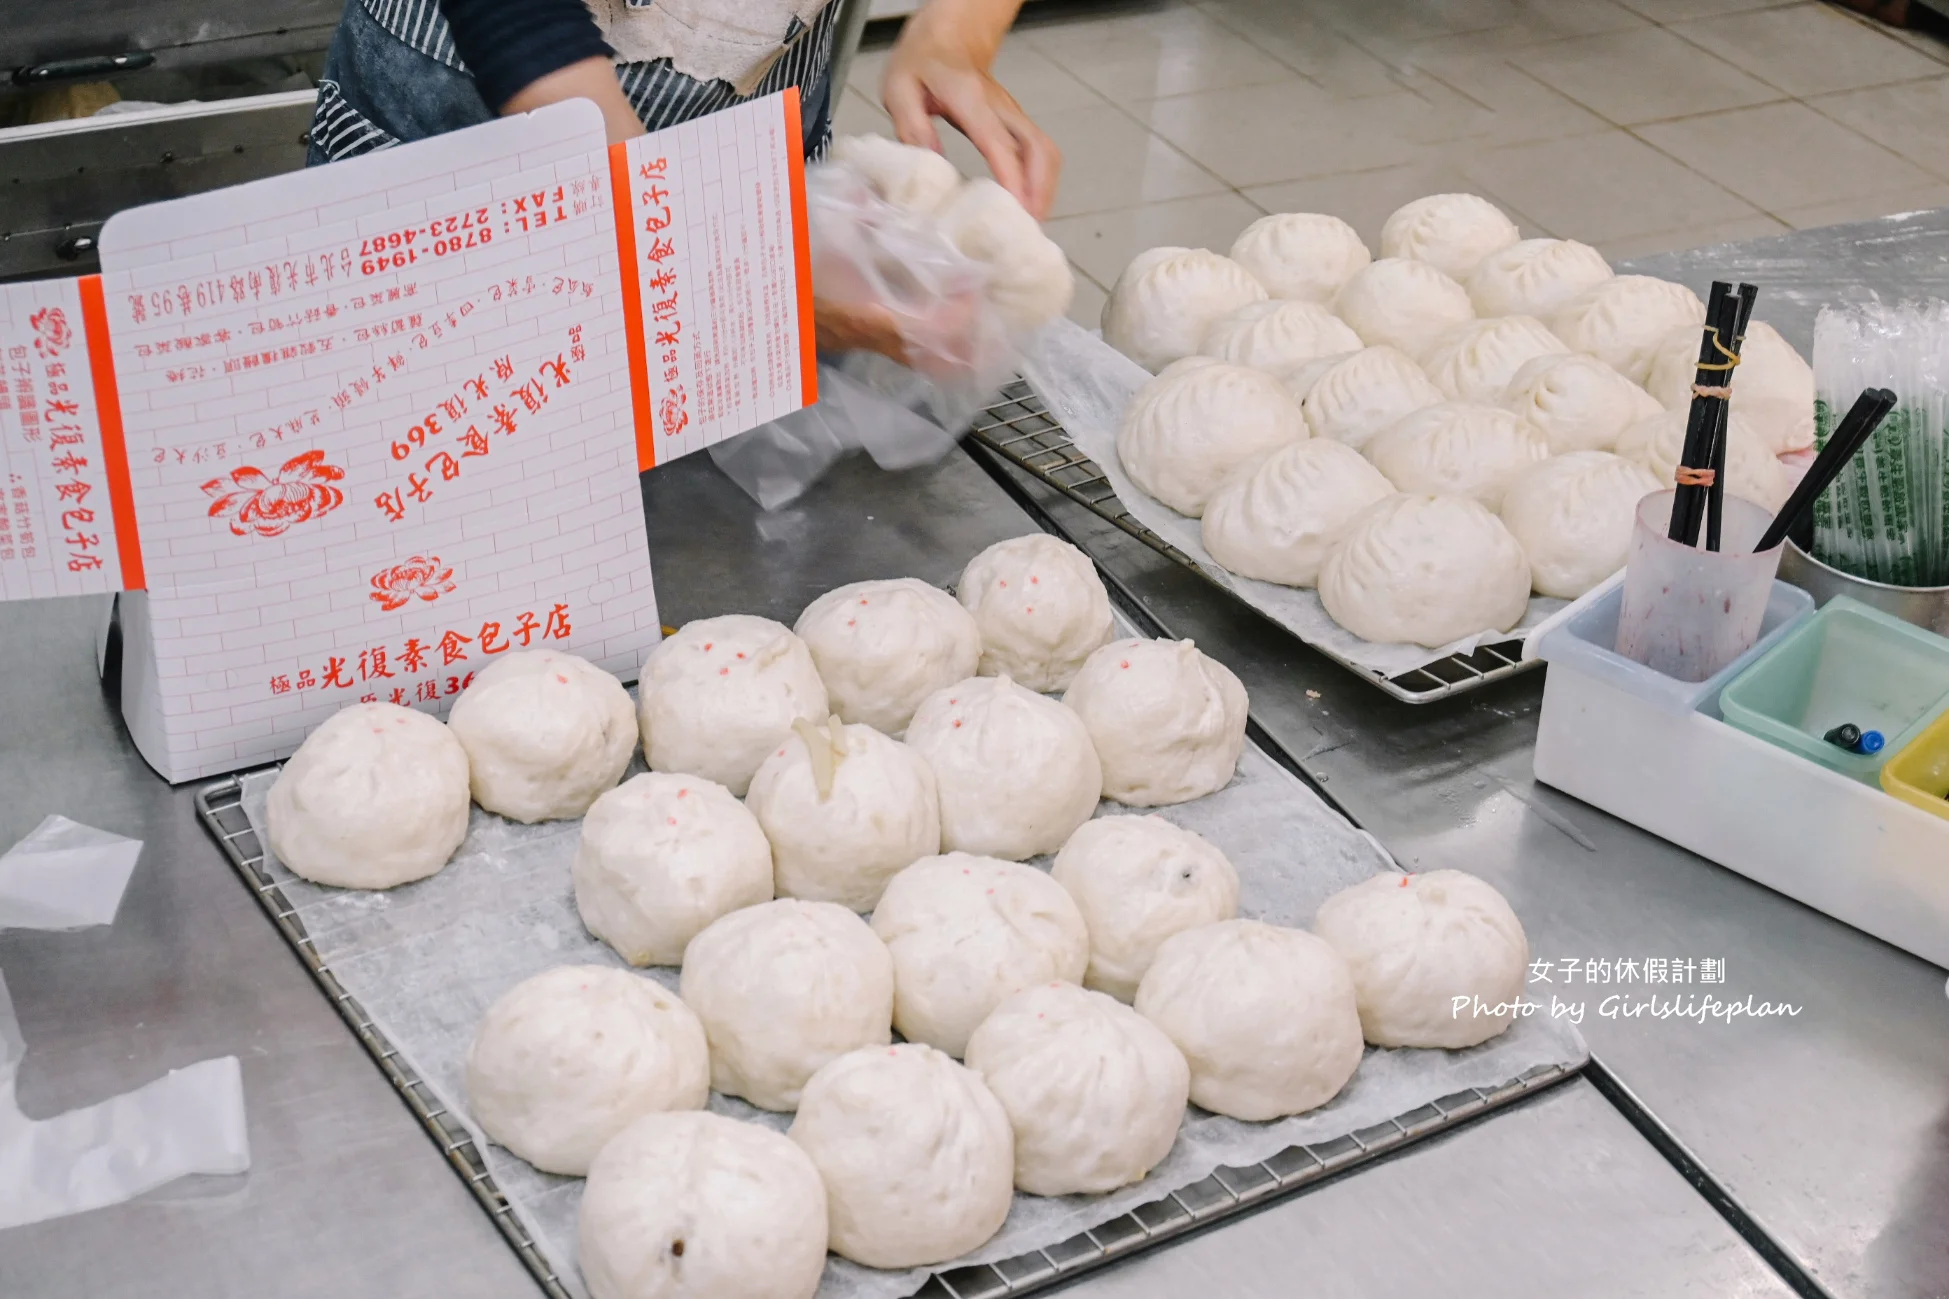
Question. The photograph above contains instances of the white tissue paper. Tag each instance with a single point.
(189, 1120)
(1085, 384)
(65, 875)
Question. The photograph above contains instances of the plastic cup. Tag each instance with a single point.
(1688, 612)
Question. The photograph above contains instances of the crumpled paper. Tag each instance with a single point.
(189, 1120)
(1085, 384)
(65, 875)
(426, 960)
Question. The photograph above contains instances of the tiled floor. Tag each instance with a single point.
(1634, 125)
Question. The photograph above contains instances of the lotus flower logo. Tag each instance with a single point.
(674, 414)
(51, 332)
(420, 578)
(269, 505)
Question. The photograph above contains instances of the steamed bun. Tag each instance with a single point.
(1365, 394)
(1277, 335)
(1168, 721)
(1301, 255)
(1016, 771)
(1275, 519)
(1476, 361)
(882, 647)
(1450, 232)
(1752, 473)
(1622, 320)
(1457, 448)
(919, 180)
(1167, 300)
(1402, 303)
(1416, 943)
(1186, 430)
(966, 932)
(1029, 280)
(1138, 880)
(1573, 515)
(1426, 570)
(1535, 277)
(545, 733)
(1578, 402)
(1040, 607)
(717, 697)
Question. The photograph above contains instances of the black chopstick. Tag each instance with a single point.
(1856, 427)
(1687, 501)
(1715, 494)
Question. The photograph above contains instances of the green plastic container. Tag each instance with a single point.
(1848, 663)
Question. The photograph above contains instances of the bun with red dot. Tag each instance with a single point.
(1040, 607)
(716, 698)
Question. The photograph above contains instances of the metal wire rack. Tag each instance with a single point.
(1019, 429)
(220, 806)
(1228, 1191)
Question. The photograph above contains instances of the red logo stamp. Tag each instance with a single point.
(419, 578)
(270, 505)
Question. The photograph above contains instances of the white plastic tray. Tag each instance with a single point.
(1841, 847)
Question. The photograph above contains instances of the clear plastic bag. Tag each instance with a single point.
(890, 265)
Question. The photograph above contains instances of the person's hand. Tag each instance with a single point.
(591, 79)
(939, 68)
(946, 343)
(856, 327)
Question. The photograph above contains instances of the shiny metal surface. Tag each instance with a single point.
(1925, 606)
(66, 178)
(37, 32)
(345, 1196)
(1475, 1213)
(1830, 1128)
(348, 1198)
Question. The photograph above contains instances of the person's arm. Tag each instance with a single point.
(939, 68)
(525, 54)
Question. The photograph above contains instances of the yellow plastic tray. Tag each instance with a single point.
(1919, 774)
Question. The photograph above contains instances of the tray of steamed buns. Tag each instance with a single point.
(935, 930)
(1400, 457)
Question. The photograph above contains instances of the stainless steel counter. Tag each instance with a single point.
(1829, 1129)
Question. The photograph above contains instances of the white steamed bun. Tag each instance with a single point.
(845, 809)
(1457, 449)
(1752, 472)
(917, 179)
(1402, 303)
(720, 694)
(1266, 1016)
(698, 1206)
(1039, 606)
(1185, 431)
(1535, 277)
(1029, 279)
(660, 857)
(377, 796)
(1167, 300)
(1578, 402)
(1573, 515)
(1016, 771)
(1773, 388)
(1622, 320)
(1094, 1091)
(1419, 944)
(1302, 255)
(1277, 335)
(565, 1060)
(916, 1154)
(1450, 232)
(1167, 721)
(882, 647)
(1138, 880)
(967, 932)
(1364, 394)
(1426, 570)
(1274, 519)
(1476, 361)
(781, 989)
(545, 733)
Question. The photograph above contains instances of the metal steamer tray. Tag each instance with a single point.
(1019, 429)
(1226, 1192)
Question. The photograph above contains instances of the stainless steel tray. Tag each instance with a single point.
(1020, 430)
(1228, 1191)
